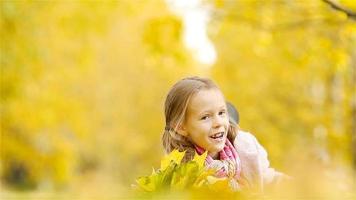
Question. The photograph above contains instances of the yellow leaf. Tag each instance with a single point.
(203, 178)
(146, 183)
(200, 159)
(175, 156)
(213, 179)
(219, 184)
(153, 171)
(179, 182)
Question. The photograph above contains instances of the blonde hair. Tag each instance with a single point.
(175, 110)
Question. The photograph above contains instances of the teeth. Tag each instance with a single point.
(218, 135)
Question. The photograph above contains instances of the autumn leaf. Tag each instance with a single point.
(175, 156)
(200, 159)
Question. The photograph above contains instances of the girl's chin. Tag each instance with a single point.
(217, 147)
(214, 152)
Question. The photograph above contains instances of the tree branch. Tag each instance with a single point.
(351, 14)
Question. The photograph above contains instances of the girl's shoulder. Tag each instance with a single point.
(245, 135)
(245, 141)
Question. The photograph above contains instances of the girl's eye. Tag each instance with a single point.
(222, 112)
(205, 117)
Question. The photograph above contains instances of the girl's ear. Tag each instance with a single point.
(182, 131)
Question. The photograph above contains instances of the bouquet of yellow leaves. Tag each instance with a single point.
(175, 176)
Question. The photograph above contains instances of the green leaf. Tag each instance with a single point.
(166, 175)
(185, 175)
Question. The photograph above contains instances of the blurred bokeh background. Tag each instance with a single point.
(83, 85)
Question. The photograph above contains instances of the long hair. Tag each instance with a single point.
(175, 110)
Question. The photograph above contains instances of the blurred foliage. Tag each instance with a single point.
(83, 85)
(296, 63)
(76, 80)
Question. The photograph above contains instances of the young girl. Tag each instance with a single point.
(197, 121)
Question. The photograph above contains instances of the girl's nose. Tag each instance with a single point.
(218, 121)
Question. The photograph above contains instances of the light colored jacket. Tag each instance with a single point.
(255, 167)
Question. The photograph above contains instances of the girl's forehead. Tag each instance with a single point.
(208, 99)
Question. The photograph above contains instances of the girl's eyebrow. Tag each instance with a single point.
(210, 111)
(205, 112)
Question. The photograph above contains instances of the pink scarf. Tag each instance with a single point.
(228, 165)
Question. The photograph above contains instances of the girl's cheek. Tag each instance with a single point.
(204, 122)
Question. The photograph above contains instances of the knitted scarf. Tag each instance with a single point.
(228, 165)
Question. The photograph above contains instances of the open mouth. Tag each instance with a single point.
(218, 135)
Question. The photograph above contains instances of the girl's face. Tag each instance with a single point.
(207, 121)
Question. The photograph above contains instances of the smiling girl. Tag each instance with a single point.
(197, 121)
